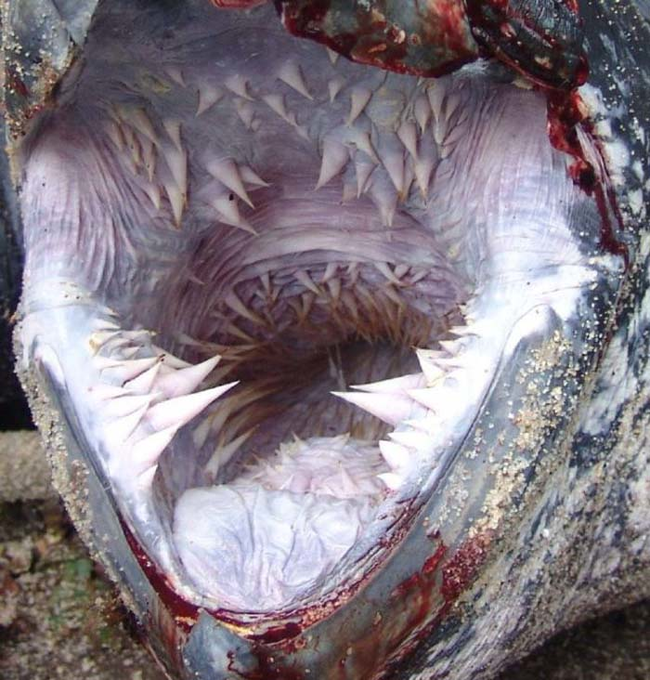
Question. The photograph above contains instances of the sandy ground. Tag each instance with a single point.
(60, 618)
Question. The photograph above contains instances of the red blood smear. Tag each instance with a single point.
(376, 44)
(15, 84)
(422, 579)
(565, 114)
(458, 573)
(278, 634)
(185, 614)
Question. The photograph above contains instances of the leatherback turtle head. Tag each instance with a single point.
(307, 335)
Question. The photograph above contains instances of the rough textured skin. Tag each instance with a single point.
(575, 542)
(39, 41)
(583, 546)
(13, 408)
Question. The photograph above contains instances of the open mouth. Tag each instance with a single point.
(275, 288)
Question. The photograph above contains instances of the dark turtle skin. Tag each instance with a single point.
(540, 515)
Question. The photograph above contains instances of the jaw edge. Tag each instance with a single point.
(367, 630)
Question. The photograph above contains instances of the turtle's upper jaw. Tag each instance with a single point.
(276, 288)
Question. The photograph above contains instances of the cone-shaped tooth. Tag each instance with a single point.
(120, 429)
(413, 439)
(392, 480)
(177, 163)
(145, 479)
(452, 347)
(229, 212)
(359, 98)
(146, 452)
(306, 280)
(384, 196)
(246, 112)
(149, 158)
(429, 424)
(425, 164)
(101, 336)
(180, 410)
(392, 409)
(330, 271)
(399, 385)
(277, 104)
(346, 484)
(401, 270)
(334, 286)
(209, 95)
(335, 158)
(243, 310)
(124, 369)
(170, 361)
(363, 168)
(408, 135)
(432, 372)
(350, 304)
(176, 74)
(349, 192)
(224, 453)
(397, 456)
(115, 134)
(226, 171)
(184, 381)
(176, 200)
(436, 94)
(333, 56)
(334, 86)
(126, 405)
(143, 384)
(265, 280)
(102, 391)
(153, 194)
(384, 269)
(434, 399)
(362, 140)
(100, 324)
(140, 121)
(201, 431)
(238, 84)
(440, 128)
(463, 331)
(291, 74)
(391, 153)
(173, 130)
(251, 177)
(422, 112)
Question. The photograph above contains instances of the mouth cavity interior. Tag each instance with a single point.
(282, 286)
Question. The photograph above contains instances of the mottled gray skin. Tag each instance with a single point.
(583, 544)
(556, 527)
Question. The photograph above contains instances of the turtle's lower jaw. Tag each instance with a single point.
(310, 324)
